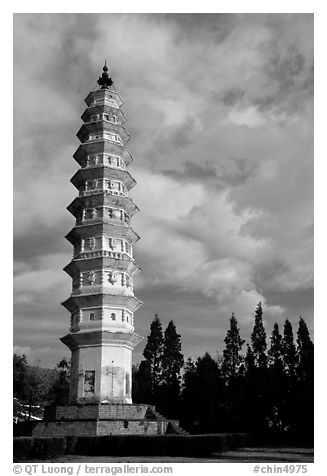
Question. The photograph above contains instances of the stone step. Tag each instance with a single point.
(172, 426)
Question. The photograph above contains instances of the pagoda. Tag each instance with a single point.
(102, 304)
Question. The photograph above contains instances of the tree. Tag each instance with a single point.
(258, 339)
(289, 350)
(305, 355)
(275, 353)
(231, 355)
(19, 375)
(59, 389)
(36, 386)
(277, 381)
(141, 374)
(172, 357)
(201, 393)
(249, 360)
(172, 363)
(153, 353)
(257, 379)
(305, 375)
(289, 403)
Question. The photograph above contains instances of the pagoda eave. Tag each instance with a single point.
(101, 147)
(102, 199)
(80, 265)
(99, 172)
(102, 126)
(75, 302)
(99, 93)
(90, 338)
(103, 109)
(95, 229)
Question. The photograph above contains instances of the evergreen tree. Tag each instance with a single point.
(231, 355)
(305, 388)
(275, 352)
(249, 360)
(201, 393)
(257, 378)
(19, 375)
(276, 394)
(304, 352)
(172, 357)
(153, 353)
(289, 406)
(172, 363)
(141, 375)
(258, 339)
(289, 350)
(59, 390)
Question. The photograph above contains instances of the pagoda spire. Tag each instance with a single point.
(105, 80)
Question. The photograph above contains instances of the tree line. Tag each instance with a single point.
(250, 387)
(35, 387)
(256, 386)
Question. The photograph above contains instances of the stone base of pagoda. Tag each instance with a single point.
(102, 419)
(101, 366)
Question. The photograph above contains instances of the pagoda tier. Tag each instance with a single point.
(101, 228)
(102, 303)
(77, 266)
(98, 198)
(76, 302)
(84, 179)
(103, 152)
(91, 131)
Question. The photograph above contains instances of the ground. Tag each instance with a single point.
(243, 455)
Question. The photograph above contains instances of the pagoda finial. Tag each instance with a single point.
(105, 81)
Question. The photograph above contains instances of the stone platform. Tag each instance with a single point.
(104, 419)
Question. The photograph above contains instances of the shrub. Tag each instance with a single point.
(38, 448)
(44, 448)
(156, 445)
(22, 448)
(24, 428)
(191, 446)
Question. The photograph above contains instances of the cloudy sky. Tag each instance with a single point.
(220, 113)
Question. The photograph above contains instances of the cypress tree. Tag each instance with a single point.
(172, 357)
(168, 401)
(141, 391)
(275, 352)
(304, 352)
(206, 394)
(305, 388)
(289, 350)
(231, 355)
(258, 339)
(249, 360)
(276, 394)
(153, 353)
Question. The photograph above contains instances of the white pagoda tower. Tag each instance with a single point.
(102, 304)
